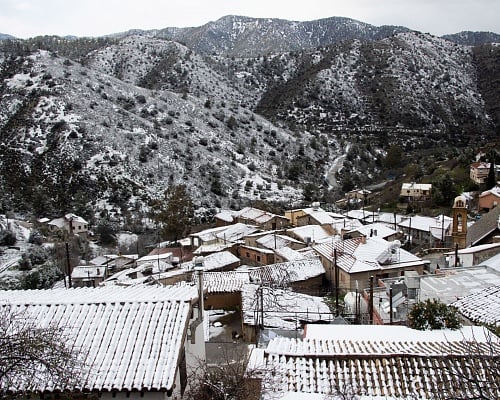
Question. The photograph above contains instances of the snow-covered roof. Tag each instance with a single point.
(494, 191)
(416, 186)
(321, 216)
(230, 233)
(223, 282)
(87, 271)
(482, 307)
(453, 284)
(368, 254)
(376, 229)
(288, 272)
(289, 254)
(100, 260)
(358, 214)
(274, 241)
(75, 218)
(226, 215)
(282, 309)
(212, 248)
(132, 337)
(155, 257)
(386, 362)
(215, 261)
(427, 224)
(476, 249)
(309, 232)
(98, 295)
(58, 222)
(255, 215)
(62, 221)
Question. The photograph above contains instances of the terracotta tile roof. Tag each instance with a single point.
(132, 337)
(481, 307)
(392, 368)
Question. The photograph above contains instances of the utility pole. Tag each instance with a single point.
(370, 303)
(390, 305)
(336, 272)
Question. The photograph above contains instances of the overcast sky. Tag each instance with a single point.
(28, 18)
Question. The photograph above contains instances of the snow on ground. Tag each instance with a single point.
(125, 239)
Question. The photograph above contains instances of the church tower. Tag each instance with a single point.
(459, 229)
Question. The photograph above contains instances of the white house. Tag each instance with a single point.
(70, 223)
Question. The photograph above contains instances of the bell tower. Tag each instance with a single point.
(459, 229)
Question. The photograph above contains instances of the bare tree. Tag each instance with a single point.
(473, 375)
(34, 356)
(226, 380)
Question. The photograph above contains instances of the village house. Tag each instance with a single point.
(432, 231)
(358, 197)
(305, 275)
(479, 172)
(221, 238)
(229, 290)
(262, 219)
(142, 341)
(357, 260)
(252, 216)
(294, 214)
(415, 192)
(376, 229)
(308, 233)
(489, 199)
(389, 362)
(272, 240)
(255, 256)
(265, 307)
(87, 275)
(69, 224)
(486, 230)
(472, 255)
(315, 217)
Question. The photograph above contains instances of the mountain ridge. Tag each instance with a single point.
(104, 125)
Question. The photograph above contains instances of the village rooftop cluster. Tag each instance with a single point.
(314, 298)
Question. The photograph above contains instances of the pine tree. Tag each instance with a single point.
(175, 213)
(491, 180)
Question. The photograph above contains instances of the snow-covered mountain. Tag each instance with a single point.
(106, 125)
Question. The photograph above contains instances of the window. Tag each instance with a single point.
(258, 258)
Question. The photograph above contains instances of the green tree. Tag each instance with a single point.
(491, 179)
(175, 213)
(107, 232)
(394, 157)
(432, 314)
(444, 191)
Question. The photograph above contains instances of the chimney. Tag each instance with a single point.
(198, 267)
